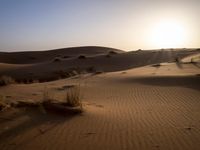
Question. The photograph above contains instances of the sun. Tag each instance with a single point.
(168, 34)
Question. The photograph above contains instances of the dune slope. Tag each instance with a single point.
(143, 108)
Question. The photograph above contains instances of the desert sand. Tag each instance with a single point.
(139, 100)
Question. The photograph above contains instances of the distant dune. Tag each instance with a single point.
(28, 57)
(61, 63)
(145, 100)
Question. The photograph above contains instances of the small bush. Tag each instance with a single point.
(112, 52)
(177, 59)
(6, 80)
(156, 65)
(57, 59)
(82, 57)
(73, 97)
(3, 105)
(98, 72)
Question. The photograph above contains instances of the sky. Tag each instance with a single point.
(124, 24)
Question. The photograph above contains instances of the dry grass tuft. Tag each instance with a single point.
(72, 103)
(112, 52)
(57, 59)
(73, 97)
(3, 105)
(156, 65)
(82, 57)
(6, 80)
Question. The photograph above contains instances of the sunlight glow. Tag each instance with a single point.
(168, 34)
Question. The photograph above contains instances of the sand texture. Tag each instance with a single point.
(144, 108)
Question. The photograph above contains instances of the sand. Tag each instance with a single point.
(144, 108)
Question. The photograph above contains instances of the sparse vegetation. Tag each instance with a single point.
(6, 80)
(71, 105)
(82, 57)
(178, 60)
(98, 72)
(57, 59)
(73, 97)
(112, 52)
(156, 65)
(3, 105)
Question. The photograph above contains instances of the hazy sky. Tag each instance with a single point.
(123, 24)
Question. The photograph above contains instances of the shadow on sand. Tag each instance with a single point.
(16, 122)
(192, 82)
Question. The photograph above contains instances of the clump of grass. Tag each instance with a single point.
(57, 59)
(82, 57)
(97, 72)
(3, 105)
(112, 52)
(71, 105)
(139, 50)
(177, 60)
(73, 97)
(6, 80)
(156, 65)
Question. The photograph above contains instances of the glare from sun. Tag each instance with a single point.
(168, 34)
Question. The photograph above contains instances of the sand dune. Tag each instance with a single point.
(142, 108)
(143, 100)
(28, 57)
(52, 69)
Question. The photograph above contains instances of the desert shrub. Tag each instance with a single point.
(3, 104)
(156, 65)
(177, 59)
(82, 57)
(6, 80)
(192, 60)
(73, 97)
(98, 72)
(91, 69)
(112, 52)
(57, 59)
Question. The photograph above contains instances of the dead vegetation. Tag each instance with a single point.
(112, 52)
(57, 59)
(81, 57)
(3, 104)
(73, 97)
(156, 65)
(72, 103)
(6, 80)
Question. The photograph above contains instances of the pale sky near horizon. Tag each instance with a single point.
(124, 24)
